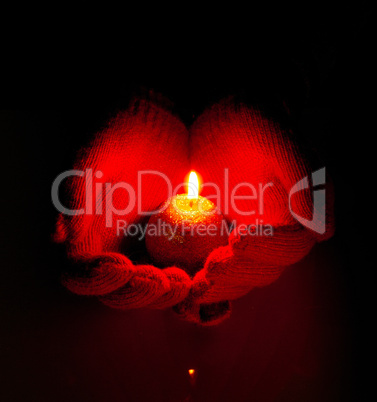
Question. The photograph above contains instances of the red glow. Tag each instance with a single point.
(237, 140)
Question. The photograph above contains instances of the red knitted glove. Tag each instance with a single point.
(256, 150)
(145, 137)
(252, 148)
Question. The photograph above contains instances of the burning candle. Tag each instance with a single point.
(186, 230)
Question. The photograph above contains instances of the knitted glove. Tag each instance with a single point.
(145, 137)
(256, 150)
(237, 138)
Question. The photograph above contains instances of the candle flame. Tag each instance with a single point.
(193, 186)
(191, 372)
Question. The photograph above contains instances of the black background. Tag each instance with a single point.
(297, 340)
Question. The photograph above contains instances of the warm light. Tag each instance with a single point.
(193, 186)
(191, 372)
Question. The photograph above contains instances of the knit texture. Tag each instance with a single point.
(230, 139)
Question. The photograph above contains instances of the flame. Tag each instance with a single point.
(191, 372)
(193, 186)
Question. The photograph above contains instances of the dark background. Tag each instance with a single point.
(301, 338)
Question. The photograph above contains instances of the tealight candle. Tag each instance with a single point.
(186, 230)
